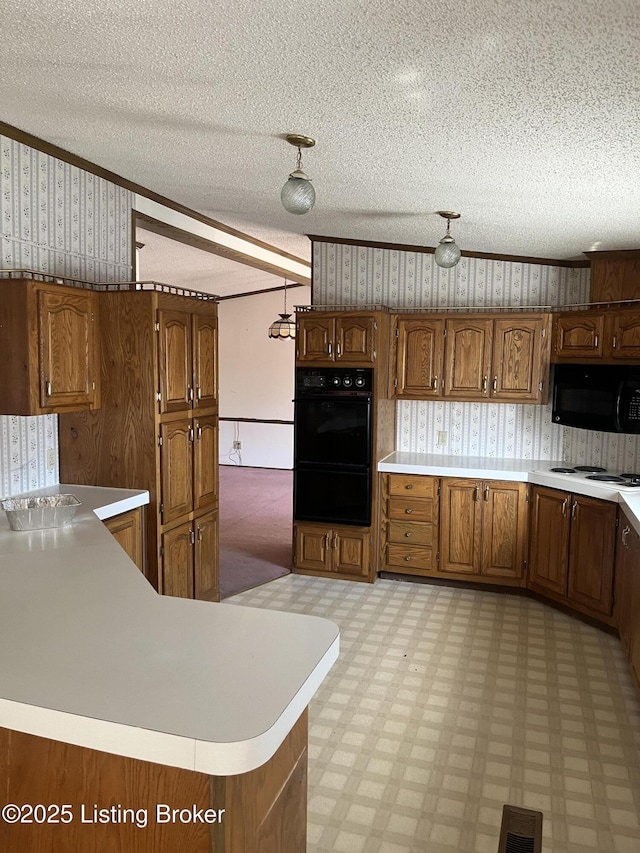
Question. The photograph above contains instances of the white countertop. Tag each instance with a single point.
(519, 470)
(91, 655)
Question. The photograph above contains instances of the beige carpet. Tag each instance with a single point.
(255, 526)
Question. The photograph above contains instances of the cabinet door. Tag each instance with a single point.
(311, 548)
(177, 561)
(626, 545)
(126, 529)
(205, 462)
(355, 339)
(467, 358)
(175, 361)
(504, 528)
(419, 353)
(67, 345)
(350, 552)
(315, 338)
(623, 335)
(549, 542)
(205, 366)
(460, 534)
(591, 552)
(578, 335)
(176, 469)
(633, 542)
(206, 584)
(517, 360)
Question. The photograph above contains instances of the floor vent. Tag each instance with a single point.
(521, 830)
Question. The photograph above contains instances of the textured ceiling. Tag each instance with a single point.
(522, 115)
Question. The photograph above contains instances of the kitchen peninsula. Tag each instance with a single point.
(113, 697)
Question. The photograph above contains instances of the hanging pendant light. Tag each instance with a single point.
(285, 327)
(298, 196)
(447, 253)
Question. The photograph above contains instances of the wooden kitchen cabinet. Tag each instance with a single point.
(419, 358)
(157, 428)
(597, 337)
(477, 357)
(49, 348)
(409, 524)
(627, 566)
(572, 550)
(332, 551)
(346, 337)
(483, 529)
(127, 530)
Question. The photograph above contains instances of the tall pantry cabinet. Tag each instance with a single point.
(157, 429)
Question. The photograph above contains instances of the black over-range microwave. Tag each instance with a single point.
(599, 397)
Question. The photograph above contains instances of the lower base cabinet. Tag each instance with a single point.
(189, 559)
(262, 811)
(483, 530)
(338, 551)
(572, 550)
(127, 529)
(627, 592)
(409, 524)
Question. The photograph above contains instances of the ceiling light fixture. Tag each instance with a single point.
(298, 196)
(285, 327)
(447, 253)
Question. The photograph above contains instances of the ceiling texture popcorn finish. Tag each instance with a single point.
(523, 115)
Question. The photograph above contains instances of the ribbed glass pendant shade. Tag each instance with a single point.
(447, 254)
(283, 328)
(298, 194)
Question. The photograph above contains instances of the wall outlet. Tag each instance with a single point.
(51, 460)
(442, 438)
(237, 445)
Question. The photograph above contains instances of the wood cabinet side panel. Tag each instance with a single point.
(18, 349)
(127, 529)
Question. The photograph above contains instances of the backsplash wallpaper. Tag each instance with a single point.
(359, 275)
(59, 219)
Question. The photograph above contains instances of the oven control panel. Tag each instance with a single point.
(334, 380)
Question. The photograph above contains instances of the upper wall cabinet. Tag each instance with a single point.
(476, 357)
(345, 337)
(596, 336)
(188, 346)
(49, 359)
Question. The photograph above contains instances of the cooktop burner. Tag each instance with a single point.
(631, 476)
(605, 478)
(564, 470)
(590, 469)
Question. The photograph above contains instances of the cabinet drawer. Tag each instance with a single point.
(411, 509)
(409, 556)
(413, 485)
(410, 534)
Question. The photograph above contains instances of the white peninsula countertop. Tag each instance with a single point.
(91, 655)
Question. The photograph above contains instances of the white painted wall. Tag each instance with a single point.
(256, 378)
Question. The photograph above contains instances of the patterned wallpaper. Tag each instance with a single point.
(59, 219)
(351, 275)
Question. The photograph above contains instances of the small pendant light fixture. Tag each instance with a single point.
(298, 196)
(447, 254)
(285, 327)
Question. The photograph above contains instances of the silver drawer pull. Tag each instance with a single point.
(408, 559)
(408, 534)
(409, 486)
(408, 511)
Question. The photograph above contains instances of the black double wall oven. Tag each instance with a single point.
(333, 441)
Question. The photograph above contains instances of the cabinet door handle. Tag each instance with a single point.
(484, 385)
(192, 536)
(409, 486)
(435, 383)
(329, 348)
(408, 559)
(190, 393)
(625, 533)
(574, 509)
(191, 435)
(595, 342)
(47, 387)
(338, 350)
(408, 534)
(495, 383)
(198, 392)
(564, 506)
(486, 493)
(326, 540)
(476, 493)
(408, 511)
(335, 541)
(199, 432)
(199, 534)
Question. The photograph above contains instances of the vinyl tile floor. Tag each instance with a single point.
(446, 703)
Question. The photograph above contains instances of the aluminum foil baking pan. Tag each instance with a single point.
(38, 513)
